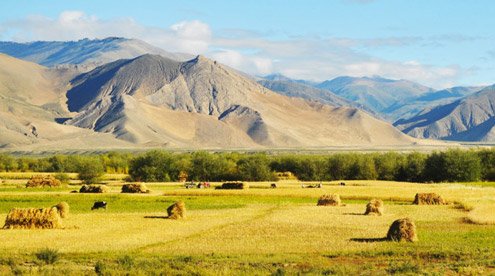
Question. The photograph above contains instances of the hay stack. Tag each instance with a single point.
(234, 186)
(43, 181)
(135, 188)
(374, 207)
(31, 218)
(63, 209)
(402, 230)
(329, 200)
(428, 199)
(93, 189)
(177, 210)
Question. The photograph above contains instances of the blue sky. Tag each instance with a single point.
(439, 43)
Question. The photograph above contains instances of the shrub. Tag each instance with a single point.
(47, 255)
(126, 261)
(63, 178)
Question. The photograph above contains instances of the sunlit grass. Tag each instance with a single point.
(258, 230)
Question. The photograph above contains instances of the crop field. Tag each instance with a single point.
(256, 231)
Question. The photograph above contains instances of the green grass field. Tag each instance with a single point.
(258, 231)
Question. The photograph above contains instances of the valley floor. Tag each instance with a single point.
(257, 231)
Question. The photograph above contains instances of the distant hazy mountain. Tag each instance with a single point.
(280, 77)
(294, 88)
(376, 93)
(471, 118)
(152, 100)
(410, 107)
(86, 52)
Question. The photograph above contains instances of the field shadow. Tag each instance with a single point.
(366, 240)
(354, 214)
(156, 217)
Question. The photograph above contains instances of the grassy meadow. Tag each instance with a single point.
(257, 231)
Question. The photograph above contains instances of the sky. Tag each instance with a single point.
(438, 43)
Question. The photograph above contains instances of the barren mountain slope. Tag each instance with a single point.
(468, 119)
(200, 103)
(30, 97)
(408, 108)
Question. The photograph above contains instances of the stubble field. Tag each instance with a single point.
(254, 231)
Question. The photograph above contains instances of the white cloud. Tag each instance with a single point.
(187, 36)
(310, 58)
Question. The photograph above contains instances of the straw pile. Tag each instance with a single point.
(428, 199)
(63, 209)
(402, 230)
(329, 200)
(233, 186)
(374, 207)
(43, 181)
(32, 218)
(177, 210)
(93, 189)
(135, 188)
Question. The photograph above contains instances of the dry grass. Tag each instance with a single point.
(32, 218)
(428, 199)
(402, 230)
(484, 215)
(282, 228)
(329, 200)
(374, 207)
(135, 188)
(94, 189)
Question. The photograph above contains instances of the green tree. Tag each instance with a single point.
(461, 165)
(255, 168)
(153, 166)
(90, 170)
(413, 168)
(387, 165)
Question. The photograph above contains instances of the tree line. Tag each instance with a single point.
(451, 165)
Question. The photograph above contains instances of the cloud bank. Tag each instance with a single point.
(311, 58)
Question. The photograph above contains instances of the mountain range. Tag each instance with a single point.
(86, 53)
(471, 118)
(119, 93)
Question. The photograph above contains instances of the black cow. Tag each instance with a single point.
(99, 204)
(273, 185)
(342, 183)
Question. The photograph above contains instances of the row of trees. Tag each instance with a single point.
(451, 165)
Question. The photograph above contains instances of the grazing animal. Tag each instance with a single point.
(190, 185)
(99, 204)
(342, 183)
(273, 186)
